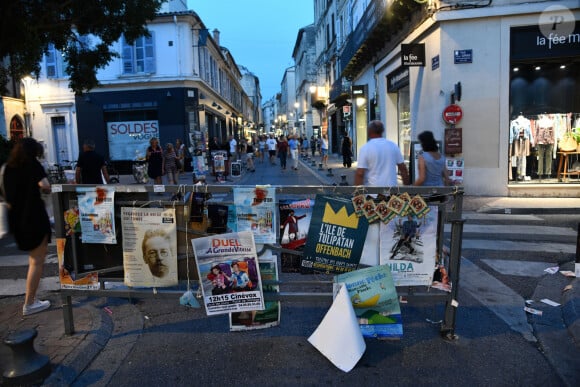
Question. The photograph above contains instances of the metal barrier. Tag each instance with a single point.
(448, 199)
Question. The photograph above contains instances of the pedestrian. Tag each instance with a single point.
(305, 146)
(180, 151)
(346, 148)
(431, 163)
(233, 148)
(24, 179)
(379, 159)
(324, 150)
(250, 156)
(313, 142)
(169, 164)
(154, 158)
(272, 144)
(261, 148)
(283, 151)
(91, 167)
(294, 147)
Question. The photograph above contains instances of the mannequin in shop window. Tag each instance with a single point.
(544, 136)
(521, 140)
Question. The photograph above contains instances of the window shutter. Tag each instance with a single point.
(127, 56)
(50, 62)
(149, 48)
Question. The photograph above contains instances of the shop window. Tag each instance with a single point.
(404, 114)
(139, 57)
(544, 122)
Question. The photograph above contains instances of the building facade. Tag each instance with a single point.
(497, 83)
(178, 83)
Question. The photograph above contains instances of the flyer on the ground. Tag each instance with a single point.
(375, 301)
(336, 236)
(149, 246)
(270, 316)
(408, 245)
(89, 281)
(256, 212)
(96, 212)
(228, 269)
(295, 216)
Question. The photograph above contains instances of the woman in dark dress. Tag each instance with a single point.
(346, 149)
(24, 179)
(155, 161)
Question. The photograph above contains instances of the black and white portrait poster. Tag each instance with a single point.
(408, 245)
(149, 246)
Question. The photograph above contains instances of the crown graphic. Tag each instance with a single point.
(340, 218)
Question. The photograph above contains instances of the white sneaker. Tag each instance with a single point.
(35, 307)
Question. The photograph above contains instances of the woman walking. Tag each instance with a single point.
(23, 180)
(431, 163)
(170, 165)
(283, 151)
(324, 150)
(155, 161)
(346, 149)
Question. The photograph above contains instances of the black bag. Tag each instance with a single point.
(178, 164)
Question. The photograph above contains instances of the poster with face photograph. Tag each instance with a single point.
(408, 246)
(149, 246)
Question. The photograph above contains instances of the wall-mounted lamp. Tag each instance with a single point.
(228, 113)
(219, 107)
(169, 94)
(214, 104)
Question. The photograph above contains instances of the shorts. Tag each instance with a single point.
(272, 152)
(323, 152)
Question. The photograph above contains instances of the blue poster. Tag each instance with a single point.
(375, 301)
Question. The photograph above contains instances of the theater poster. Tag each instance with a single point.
(336, 236)
(256, 212)
(229, 273)
(96, 214)
(270, 316)
(68, 280)
(375, 301)
(149, 246)
(408, 245)
(295, 217)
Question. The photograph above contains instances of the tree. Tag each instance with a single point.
(28, 27)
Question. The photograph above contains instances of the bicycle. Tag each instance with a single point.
(114, 177)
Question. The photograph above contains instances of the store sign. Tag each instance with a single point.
(397, 79)
(413, 54)
(452, 114)
(453, 141)
(462, 56)
(130, 139)
(532, 43)
(358, 91)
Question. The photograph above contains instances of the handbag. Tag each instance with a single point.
(178, 164)
(567, 143)
(4, 206)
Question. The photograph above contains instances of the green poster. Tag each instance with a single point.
(336, 236)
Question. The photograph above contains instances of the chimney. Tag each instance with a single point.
(216, 36)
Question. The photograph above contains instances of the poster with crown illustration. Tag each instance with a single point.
(335, 237)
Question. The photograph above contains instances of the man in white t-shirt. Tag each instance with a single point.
(379, 159)
(233, 148)
(377, 164)
(271, 143)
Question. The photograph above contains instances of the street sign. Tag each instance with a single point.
(452, 114)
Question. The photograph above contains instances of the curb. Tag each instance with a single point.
(80, 357)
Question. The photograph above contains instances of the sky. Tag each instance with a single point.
(260, 34)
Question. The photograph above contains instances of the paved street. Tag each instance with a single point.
(152, 341)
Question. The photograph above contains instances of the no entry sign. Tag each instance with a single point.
(452, 114)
